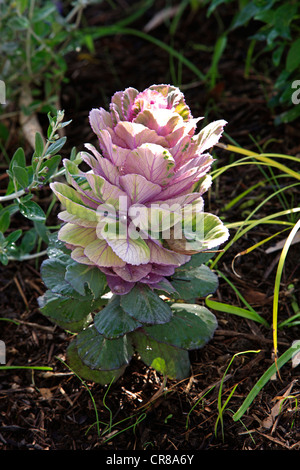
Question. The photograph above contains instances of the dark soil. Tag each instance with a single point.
(55, 410)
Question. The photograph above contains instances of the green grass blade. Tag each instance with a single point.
(253, 247)
(107, 407)
(275, 193)
(290, 321)
(268, 158)
(98, 32)
(272, 221)
(203, 395)
(221, 407)
(139, 11)
(89, 392)
(25, 367)
(235, 200)
(243, 161)
(250, 225)
(241, 297)
(139, 419)
(277, 281)
(239, 311)
(285, 357)
(167, 48)
(10, 320)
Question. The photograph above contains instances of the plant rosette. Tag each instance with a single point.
(128, 263)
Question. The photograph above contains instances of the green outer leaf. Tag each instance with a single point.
(21, 176)
(288, 116)
(145, 306)
(200, 258)
(98, 352)
(42, 231)
(28, 241)
(4, 259)
(4, 221)
(56, 146)
(191, 327)
(213, 5)
(244, 15)
(113, 322)
(57, 249)
(284, 14)
(53, 274)
(18, 23)
(293, 57)
(64, 309)
(166, 359)
(80, 275)
(42, 13)
(18, 159)
(101, 377)
(74, 326)
(195, 282)
(31, 210)
(52, 165)
(39, 144)
(13, 236)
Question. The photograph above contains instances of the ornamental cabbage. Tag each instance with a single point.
(138, 213)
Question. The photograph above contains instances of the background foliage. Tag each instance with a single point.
(259, 195)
